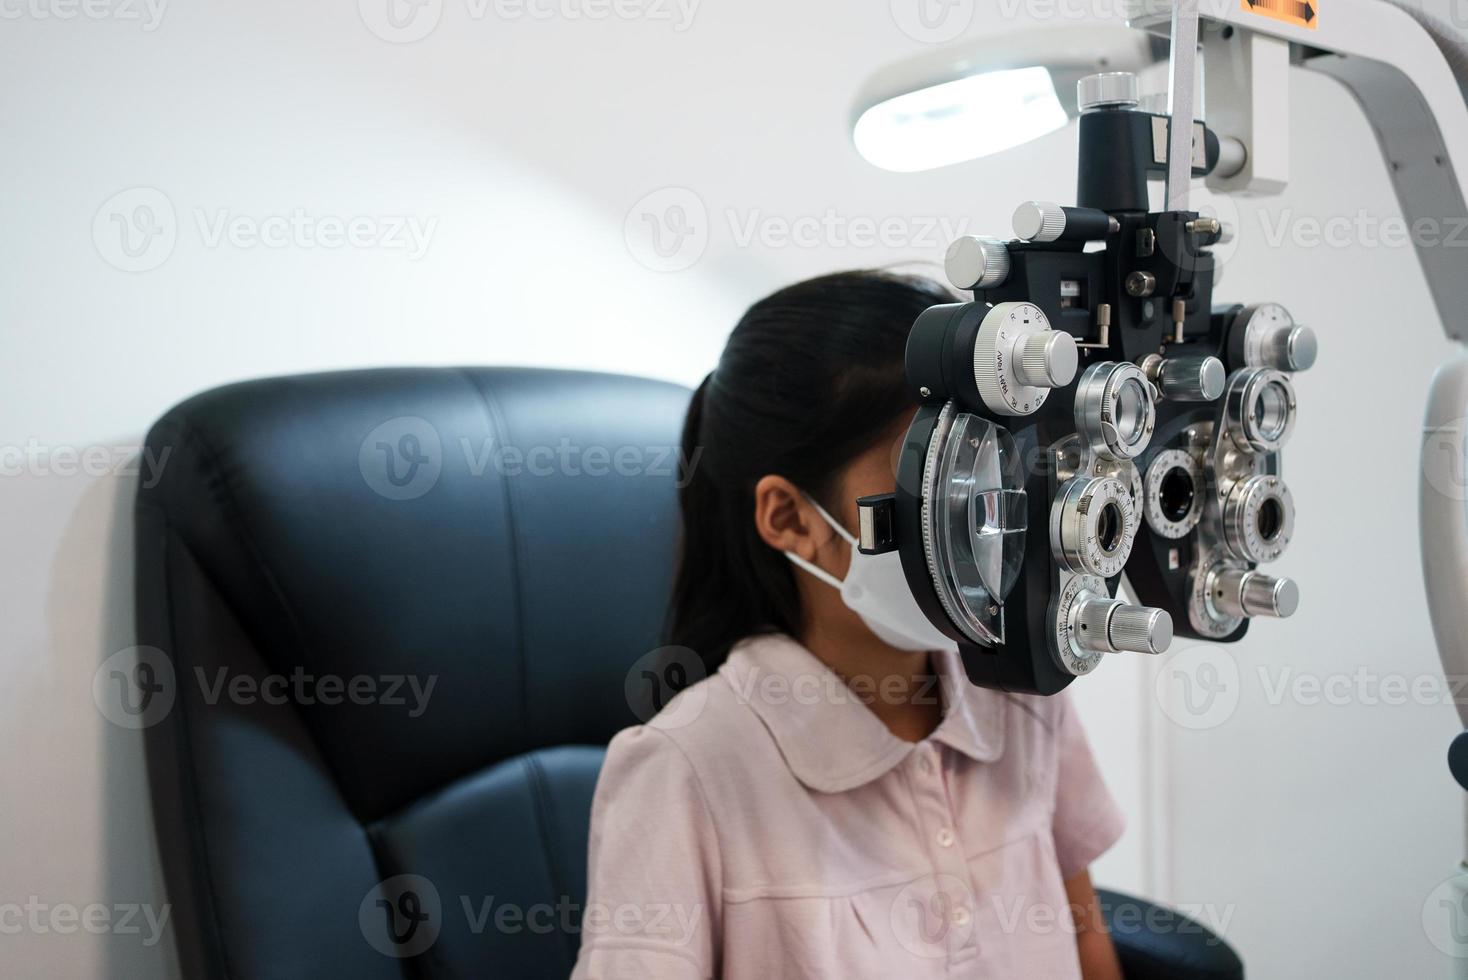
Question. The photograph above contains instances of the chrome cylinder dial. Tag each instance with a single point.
(1259, 409)
(1191, 378)
(1018, 358)
(1175, 493)
(1241, 592)
(1092, 525)
(1268, 336)
(1111, 626)
(1116, 409)
(1258, 519)
(1087, 624)
(976, 262)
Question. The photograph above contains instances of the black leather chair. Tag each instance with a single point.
(503, 535)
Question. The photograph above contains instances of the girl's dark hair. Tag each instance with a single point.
(811, 378)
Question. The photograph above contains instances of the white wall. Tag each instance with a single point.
(535, 149)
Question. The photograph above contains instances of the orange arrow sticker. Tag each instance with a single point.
(1301, 13)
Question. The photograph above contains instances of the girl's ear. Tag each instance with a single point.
(785, 519)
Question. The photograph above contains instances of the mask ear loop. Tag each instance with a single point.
(816, 570)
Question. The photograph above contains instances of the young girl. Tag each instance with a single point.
(834, 800)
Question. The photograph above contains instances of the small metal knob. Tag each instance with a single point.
(1140, 284)
(1191, 378)
(1048, 360)
(1242, 592)
(1267, 335)
(1293, 349)
(1039, 221)
(973, 262)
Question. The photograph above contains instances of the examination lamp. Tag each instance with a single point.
(975, 99)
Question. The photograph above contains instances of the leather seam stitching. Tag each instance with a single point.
(502, 431)
(538, 791)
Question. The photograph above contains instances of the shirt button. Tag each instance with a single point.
(960, 916)
(926, 765)
(945, 838)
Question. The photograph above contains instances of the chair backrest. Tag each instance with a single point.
(389, 616)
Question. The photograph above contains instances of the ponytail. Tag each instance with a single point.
(810, 378)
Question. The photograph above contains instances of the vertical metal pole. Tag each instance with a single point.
(1183, 70)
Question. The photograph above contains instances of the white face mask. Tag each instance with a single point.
(876, 590)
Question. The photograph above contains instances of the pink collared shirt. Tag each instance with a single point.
(767, 825)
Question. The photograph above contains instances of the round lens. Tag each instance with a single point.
(1176, 494)
(1271, 519)
(1272, 411)
(1109, 528)
(1131, 411)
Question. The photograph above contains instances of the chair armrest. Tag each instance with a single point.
(1158, 943)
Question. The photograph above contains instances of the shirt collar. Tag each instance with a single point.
(831, 741)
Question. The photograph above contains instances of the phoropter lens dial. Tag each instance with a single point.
(1258, 519)
(1259, 409)
(1174, 493)
(1018, 359)
(1116, 409)
(1092, 525)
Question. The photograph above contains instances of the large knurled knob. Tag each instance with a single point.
(1268, 336)
(973, 262)
(1191, 378)
(1293, 349)
(1048, 360)
(1141, 629)
(1105, 625)
(1242, 592)
(1039, 221)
